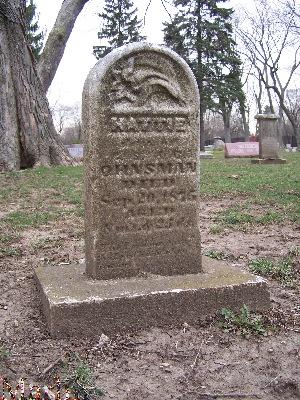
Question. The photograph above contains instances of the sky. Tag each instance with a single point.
(78, 59)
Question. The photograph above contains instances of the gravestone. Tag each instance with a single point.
(219, 144)
(141, 178)
(241, 149)
(268, 140)
(143, 252)
(75, 150)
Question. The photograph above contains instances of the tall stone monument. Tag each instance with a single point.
(268, 140)
(143, 252)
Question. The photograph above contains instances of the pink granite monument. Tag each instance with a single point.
(241, 149)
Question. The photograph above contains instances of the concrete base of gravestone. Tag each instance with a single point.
(206, 155)
(268, 161)
(76, 305)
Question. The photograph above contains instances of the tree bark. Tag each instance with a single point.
(226, 121)
(202, 132)
(27, 134)
(281, 128)
(57, 40)
(245, 122)
(199, 78)
(285, 109)
(272, 110)
(283, 106)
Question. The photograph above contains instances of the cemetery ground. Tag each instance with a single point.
(250, 217)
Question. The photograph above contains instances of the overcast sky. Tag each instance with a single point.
(78, 58)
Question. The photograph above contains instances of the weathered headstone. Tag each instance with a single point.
(268, 140)
(143, 260)
(241, 149)
(219, 144)
(75, 150)
(141, 175)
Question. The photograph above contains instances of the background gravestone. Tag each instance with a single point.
(241, 149)
(218, 143)
(141, 167)
(143, 262)
(268, 140)
(75, 150)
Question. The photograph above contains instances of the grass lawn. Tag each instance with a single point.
(248, 216)
(36, 197)
(275, 188)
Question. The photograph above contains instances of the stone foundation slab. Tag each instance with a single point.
(268, 161)
(76, 305)
(206, 155)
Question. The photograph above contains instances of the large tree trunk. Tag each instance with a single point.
(298, 137)
(245, 122)
(281, 128)
(272, 110)
(202, 126)
(288, 113)
(226, 121)
(27, 134)
(57, 40)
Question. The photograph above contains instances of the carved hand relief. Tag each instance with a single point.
(145, 83)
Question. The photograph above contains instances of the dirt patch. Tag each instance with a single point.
(182, 362)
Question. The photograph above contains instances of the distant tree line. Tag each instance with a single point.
(269, 41)
(202, 34)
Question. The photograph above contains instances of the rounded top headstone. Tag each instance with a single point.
(141, 131)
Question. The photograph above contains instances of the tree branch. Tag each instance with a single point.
(57, 40)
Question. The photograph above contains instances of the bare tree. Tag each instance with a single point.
(67, 120)
(72, 134)
(27, 134)
(270, 38)
(57, 40)
(293, 104)
(237, 126)
(214, 126)
(293, 7)
(59, 35)
(66, 115)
